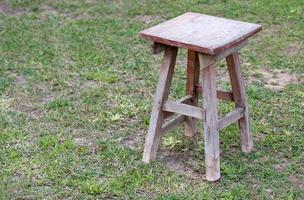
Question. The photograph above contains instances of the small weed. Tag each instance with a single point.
(91, 187)
(57, 104)
(102, 76)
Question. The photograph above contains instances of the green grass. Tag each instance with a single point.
(76, 85)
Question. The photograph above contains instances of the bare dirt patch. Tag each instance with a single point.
(133, 142)
(292, 49)
(280, 167)
(273, 79)
(47, 98)
(29, 104)
(82, 141)
(29, 110)
(269, 192)
(88, 84)
(19, 80)
(297, 181)
(147, 19)
(23, 104)
(179, 165)
(7, 10)
(48, 10)
(89, 143)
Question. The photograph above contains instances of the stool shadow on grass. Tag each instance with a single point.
(183, 156)
(184, 166)
(180, 159)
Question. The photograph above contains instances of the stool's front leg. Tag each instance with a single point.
(211, 133)
(161, 95)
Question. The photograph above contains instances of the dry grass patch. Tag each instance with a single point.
(6, 9)
(147, 19)
(273, 79)
(293, 49)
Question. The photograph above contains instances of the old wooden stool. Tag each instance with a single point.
(208, 39)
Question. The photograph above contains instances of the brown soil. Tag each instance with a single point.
(7, 10)
(147, 19)
(292, 49)
(134, 142)
(297, 181)
(281, 166)
(273, 79)
(179, 165)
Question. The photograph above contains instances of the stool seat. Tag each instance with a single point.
(202, 33)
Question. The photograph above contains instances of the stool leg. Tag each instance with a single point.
(211, 133)
(239, 95)
(193, 70)
(157, 115)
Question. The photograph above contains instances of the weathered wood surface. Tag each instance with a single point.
(157, 48)
(230, 118)
(211, 133)
(231, 50)
(172, 123)
(202, 33)
(183, 109)
(206, 60)
(186, 99)
(239, 95)
(157, 115)
(193, 70)
(220, 94)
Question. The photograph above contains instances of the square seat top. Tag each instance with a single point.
(202, 33)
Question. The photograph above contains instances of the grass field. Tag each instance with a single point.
(76, 85)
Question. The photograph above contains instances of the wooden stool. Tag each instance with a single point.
(208, 39)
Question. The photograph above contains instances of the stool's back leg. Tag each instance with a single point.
(193, 70)
(211, 133)
(239, 95)
(161, 95)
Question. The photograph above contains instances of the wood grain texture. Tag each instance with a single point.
(186, 100)
(202, 33)
(211, 133)
(230, 118)
(193, 71)
(206, 60)
(220, 94)
(157, 115)
(173, 123)
(239, 95)
(157, 48)
(231, 50)
(183, 109)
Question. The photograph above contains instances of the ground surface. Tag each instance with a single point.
(76, 86)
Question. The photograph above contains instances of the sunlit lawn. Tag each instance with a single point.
(76, 86)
